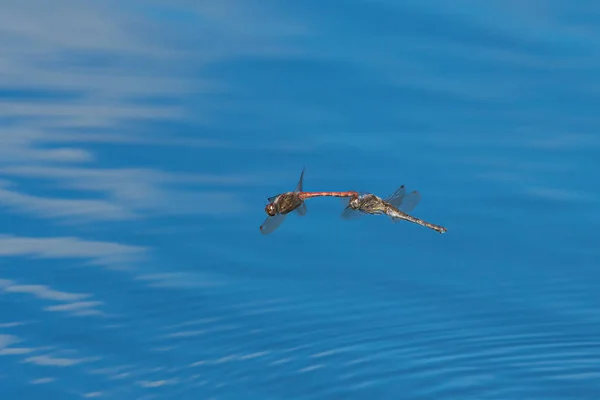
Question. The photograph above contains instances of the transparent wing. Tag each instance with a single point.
(396, 196)
(272, 198)
(350, 214)
(404, 201)
(299, 185)
(301, 210)
(271, 223)
(410, 201)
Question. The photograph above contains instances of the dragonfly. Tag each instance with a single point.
(396, 206)
(282, 204)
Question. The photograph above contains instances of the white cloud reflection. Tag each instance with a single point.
(95, 252)
(60, 86)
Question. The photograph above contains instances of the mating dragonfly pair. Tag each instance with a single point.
(396, 206)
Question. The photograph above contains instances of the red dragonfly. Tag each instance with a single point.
(282, 204)
(396, 206)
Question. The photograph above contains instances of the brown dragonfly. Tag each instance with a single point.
(282, 204)
(396, 206)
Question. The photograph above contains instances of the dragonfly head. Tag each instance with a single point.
(271, 209)
(354, 202)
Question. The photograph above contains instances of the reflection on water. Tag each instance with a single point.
(136, 159)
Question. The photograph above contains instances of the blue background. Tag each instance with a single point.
(140, 140)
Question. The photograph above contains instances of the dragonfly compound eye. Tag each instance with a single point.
(271, 210)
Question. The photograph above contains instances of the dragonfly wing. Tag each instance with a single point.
(403, 201)
(272, 198)
(301, 210)
(271, 223)
(410, 201)
(350, 214)
(299, 185)
(396, 196)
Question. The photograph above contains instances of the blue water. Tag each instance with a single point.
(139, 142)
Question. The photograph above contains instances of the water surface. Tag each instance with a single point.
(141, 140)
